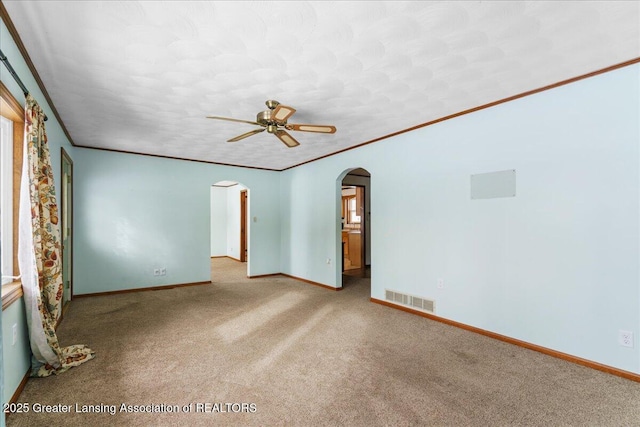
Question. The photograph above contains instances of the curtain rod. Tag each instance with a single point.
(6, 63)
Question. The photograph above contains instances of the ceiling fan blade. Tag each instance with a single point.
(282, 113)
(313, 128)
(288, 140)
(233, 120)
(246, 135)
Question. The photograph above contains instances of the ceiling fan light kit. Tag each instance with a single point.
(274, 121)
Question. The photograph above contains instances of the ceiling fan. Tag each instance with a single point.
(274, 121)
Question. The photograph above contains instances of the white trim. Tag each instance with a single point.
(6, 199)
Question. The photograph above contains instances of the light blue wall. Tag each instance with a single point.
(556, 266)
(310, 222)
(218, 221)
(17, 358)
(136, 213)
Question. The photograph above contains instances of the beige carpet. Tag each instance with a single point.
(304, 356)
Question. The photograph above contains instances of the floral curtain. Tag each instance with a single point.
(39, 253)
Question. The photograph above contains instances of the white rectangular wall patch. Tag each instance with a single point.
(493, 185)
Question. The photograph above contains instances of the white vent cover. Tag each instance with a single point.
(417, 303)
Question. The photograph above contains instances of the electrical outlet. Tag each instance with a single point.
(625, 338)
(14, 328)
(163, 271)
(156, 271)
(440, 284)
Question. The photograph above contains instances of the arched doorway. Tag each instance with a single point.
(353, 191)
(230, 227)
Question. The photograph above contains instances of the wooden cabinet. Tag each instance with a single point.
(352, 212)
(355, 249)
(352, 249)
(345, 242)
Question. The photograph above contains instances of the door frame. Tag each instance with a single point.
(65, 158)
(243, 226)
(366, 226)
(363, 225)
(361, 207)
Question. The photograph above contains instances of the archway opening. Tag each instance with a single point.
(230, 231)
(353, 191)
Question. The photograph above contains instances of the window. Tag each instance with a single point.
(12, 125)
(352, 205)
(6, 199)
(354, 218)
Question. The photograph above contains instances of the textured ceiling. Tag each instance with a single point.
(141, 76)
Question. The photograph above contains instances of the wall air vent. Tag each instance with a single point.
(417, 303)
